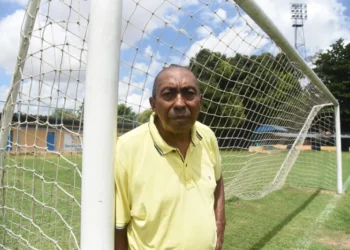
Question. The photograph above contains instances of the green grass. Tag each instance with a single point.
(40, 200)
(258, 172)
(291, 218)
(294, 217)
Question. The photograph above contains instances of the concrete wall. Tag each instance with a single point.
(31, 139)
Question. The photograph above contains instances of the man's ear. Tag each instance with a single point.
(152, 103)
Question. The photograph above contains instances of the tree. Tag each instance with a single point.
(333, 68)
(222, 108)
(230, 79)
(125, 111)
(144, 116)
(64, 114)
(240, 91)
(126, 116)
(221, 102)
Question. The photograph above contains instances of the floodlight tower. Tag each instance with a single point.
(298, 13)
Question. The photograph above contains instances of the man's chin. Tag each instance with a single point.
(180, 128)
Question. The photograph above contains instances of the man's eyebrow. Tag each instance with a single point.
(189, 88)
(171, 88)
(167, 88)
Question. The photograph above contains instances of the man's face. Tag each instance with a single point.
(178, 100)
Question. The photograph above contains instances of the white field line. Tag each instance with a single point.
(306, 241)
(346, 184)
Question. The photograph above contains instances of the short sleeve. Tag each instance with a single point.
(122, 204)
(217, 158)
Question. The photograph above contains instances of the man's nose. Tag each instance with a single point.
(179, 101)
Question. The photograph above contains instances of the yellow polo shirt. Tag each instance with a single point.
(167, 202)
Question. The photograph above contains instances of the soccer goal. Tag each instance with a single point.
(276, 123)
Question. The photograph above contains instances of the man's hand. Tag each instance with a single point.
(120, 239)
(219, 209)
(220, 236)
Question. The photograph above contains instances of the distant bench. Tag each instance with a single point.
(278, 148)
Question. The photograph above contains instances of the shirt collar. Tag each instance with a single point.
(161, 146)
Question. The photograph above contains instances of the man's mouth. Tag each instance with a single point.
(180, 117)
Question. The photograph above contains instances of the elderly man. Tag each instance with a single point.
(169, 188)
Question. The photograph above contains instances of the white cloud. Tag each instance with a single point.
(62, 47)
(53, 45)
(221, 13)
(56, 59)
(230, 41)
(149, 50)
(134, 94)
(10, 27)
(326, 22)
(20, 2)
(60, 95)
(242, 36)
(156, 14)
(65, 50)
(203, 31)
(214, 18)
(137, 102)
(3, 95)
(42, 98)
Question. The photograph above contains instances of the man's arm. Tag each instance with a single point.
(219, 208)
(120, 239)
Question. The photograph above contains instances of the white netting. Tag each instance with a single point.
(273, 125)
(41, 171)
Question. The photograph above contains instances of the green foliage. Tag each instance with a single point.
(65, 114)
(238, 91)
(333, 68)
(126, 117)
(218, 98)
(144, 116)
(125, 111)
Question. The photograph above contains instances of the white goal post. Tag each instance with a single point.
(276, 123)
(101, 91)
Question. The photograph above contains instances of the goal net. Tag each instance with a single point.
(275, 125)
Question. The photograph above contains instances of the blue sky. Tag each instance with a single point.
(328, 21)
(346, 4)
(7, 8)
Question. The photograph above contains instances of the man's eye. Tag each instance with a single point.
(189, 93)
(168, 94)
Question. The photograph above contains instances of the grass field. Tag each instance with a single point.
(291, 218)
(43, 196)
(42, 208)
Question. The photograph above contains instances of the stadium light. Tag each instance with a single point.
(298, 11)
